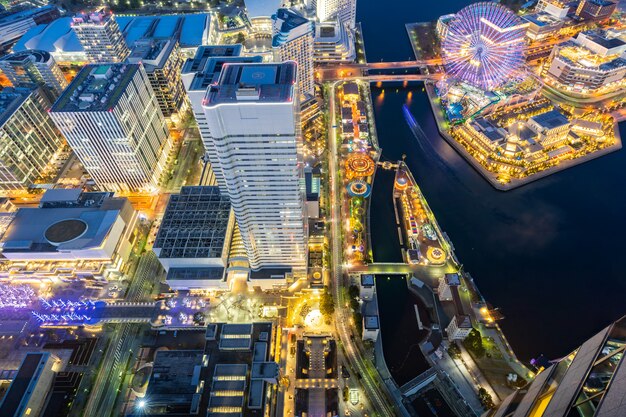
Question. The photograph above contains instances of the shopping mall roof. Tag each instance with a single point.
(175, 378)
(551, 119)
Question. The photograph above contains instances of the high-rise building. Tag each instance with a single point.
(252, 114)
(29, 139)
(596, 9)
(112, 120)
(162, 60)
(333, 43)
(293, 41)
(590, 381)
(345, 10)
(34, 68)
(198, 73)
(101, 37)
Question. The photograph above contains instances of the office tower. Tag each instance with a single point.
(252, 114)
(293, 41)
(198, 73)
(14, 25)
(345, 10)
(111, 119)
(596, 9)
(34, 68)
(101, 37)
(590, 381)
(29, 140)
(162, 61)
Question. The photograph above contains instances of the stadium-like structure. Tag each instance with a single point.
(484, 45)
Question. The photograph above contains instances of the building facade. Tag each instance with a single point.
(162, 60)
(587, 382)
(197, 74)
(101, 37)
(111, 119)
(333, 42)
(29, 140)
(596, 9)
(345, 10)
(34, 68)
(293, 41)
(252, 114)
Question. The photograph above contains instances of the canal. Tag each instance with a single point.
(548, 254)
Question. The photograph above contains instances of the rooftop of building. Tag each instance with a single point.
(195, 274)
(152, 53)
(96, 88)
(370, 322)
(452, 279)
(205, 52)
(97, 17)
(213, 67)
(541, 19)
(175, 377)
(603, 38)
(195, 224)
(191, 31)
(258, 82)
(285, 21)
(32, 55)
(551, 120)
(77, 223)
(367, 280)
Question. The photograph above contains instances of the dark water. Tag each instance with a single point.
(548, 254)
(400, 333)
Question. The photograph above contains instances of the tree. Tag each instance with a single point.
(327, 304)
(353, 291)
(454, 351)
(474, 343)
(485, 398)
(241, 38)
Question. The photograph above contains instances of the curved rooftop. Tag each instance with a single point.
(65, 231)
(35, 54)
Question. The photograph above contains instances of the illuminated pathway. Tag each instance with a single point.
(374, 388)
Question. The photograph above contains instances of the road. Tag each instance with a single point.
(375, 389)
(113, 366)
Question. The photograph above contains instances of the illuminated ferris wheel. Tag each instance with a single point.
(484, 45)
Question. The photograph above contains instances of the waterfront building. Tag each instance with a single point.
(29, 140)
(333, 42)
(587, 382)
(195, 233)
(596, 9)
(367, 287)
(34, 68)
(100, 35)
(445, 286)
(541, 25)
(198, 73)
(162, 61)
(442, 25)
(79, 235)
(252, 114)
(591, 61)
(111, 119)
(14, 25)
(371, 328)
(293, 41)
(551, 127)
(459, 328)
(28, 391)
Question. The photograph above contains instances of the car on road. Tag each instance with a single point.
(344, 372)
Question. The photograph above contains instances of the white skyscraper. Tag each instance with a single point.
(252, 113)
(293, 41)
(101, 37)
(197, 74)
(345, 10)
(112, 120)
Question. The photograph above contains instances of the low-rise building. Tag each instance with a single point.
(541, 25)
(72, 234)
(371, 328)
(443, 23)
(445, 284)
(551, 127)
(596, 9)
(194, 238)
(459, 328)
(367, 287)
(591, 61)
